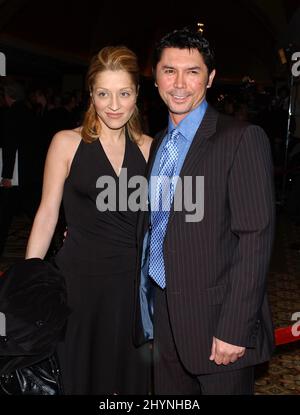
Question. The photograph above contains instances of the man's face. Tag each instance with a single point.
(182, 78)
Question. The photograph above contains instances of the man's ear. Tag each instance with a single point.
(211, 78)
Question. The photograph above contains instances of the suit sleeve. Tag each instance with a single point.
(252, 207)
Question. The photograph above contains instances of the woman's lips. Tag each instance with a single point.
(114, 115)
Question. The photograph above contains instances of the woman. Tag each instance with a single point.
(98, 257)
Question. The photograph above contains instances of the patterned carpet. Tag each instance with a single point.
(282, 375)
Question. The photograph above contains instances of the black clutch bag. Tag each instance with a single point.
(42, 378)
(34, 311)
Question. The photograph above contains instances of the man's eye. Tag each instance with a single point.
(169, 71)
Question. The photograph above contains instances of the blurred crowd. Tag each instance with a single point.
(269, 108)
(28, 121)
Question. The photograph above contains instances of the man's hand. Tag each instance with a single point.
(6, 183)
(224, 353)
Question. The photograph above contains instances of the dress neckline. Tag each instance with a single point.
(107, 158)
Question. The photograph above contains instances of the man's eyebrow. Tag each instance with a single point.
(193, 68)
(186, 69)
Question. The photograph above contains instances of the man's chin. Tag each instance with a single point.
(180, 111)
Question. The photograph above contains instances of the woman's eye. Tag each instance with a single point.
(102, 94)
(125, 94)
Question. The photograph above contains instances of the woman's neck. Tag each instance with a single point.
(112, 136)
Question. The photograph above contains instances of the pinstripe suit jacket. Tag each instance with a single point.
(216, 268)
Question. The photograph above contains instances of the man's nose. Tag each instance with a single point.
(180, 80)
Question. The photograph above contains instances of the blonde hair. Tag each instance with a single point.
(113, 58)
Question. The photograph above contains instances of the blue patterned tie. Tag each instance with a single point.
(164, 193)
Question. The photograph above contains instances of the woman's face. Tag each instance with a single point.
(114, 96)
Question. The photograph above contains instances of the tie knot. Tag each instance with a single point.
(174, 134)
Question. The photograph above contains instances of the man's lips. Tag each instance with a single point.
(179, 98)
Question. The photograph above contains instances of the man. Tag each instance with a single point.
(203, 283)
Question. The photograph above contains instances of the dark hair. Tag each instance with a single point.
(185, 38)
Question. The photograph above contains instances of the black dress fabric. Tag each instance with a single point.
(98, 260)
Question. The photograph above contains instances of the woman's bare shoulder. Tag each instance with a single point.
(64, 144)
(68, 136)
(66, 139)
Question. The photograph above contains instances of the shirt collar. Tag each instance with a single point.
(190, 124)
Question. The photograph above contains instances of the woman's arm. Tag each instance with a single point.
(56, 171)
